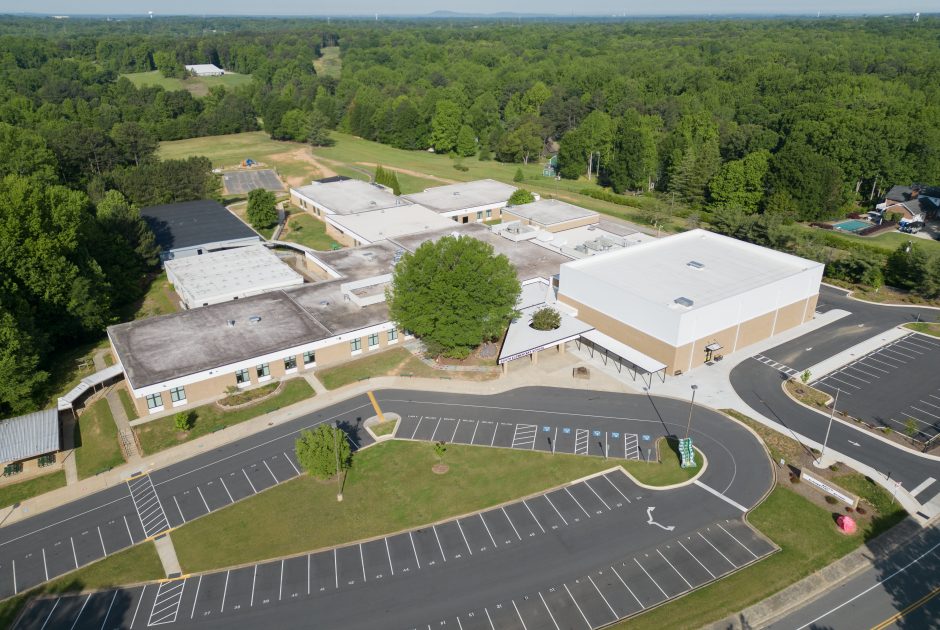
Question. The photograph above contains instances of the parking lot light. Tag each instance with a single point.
(688, 429)
(829, 428)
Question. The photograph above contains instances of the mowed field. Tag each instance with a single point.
(329, 64)
(198, 86)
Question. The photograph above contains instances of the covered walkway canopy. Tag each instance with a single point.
(91, 381)
(522, 340)
(624, 353)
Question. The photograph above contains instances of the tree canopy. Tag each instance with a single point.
(453, 293)
(317, 451)
(262, 209)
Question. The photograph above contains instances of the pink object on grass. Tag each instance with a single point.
(847, 524)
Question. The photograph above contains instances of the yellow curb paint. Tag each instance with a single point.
(375, 404)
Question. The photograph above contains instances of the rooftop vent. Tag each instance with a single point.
(230, 323)
(684, 301)
(254, 319)
(372, 203)
(694, 264)
(456, 193)
(324, 302)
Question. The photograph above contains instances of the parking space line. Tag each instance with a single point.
(335, 569)
(521, 620)
(74, 555)
(75, 623)
(128, 526)
(253, 489)
(415, 432)
(177, 509)
(456, 426)
(387, 551)
(737, 541)
(533, 516)
(224, 591)
(928, 404)
(888, 363)
(673, 568)
(280, 587)
(226, 490)
(101, 540)
(554, 440)
(651, 578)
(510, 523)
(45, 567)
(136, 608)
(597, 495)
(308, 570)
(578, 607)
(854, 366)
(276, 481)
(872, 367)
(49, 616)
(549, 611)
(462, 536)
(414, 549)
(844, 372)
(694, 557)
(556, 509)
(110, 606)
(196, 599)
(906, 356)
(717, 549)
(203, 499)
(629, 590)
(576, 501)
(438, 538)
(471, 441)
(614, 612)
(495, 431)
(15, 590)
(926, 412)
(436, 427)
(254, 579)
(488, 619)
(832, 377)
(906, 344)
(362, 561)
(488, 530)
(617, 489)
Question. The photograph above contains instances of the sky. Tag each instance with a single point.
(417, 7)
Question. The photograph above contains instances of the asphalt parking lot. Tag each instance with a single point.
(892, 385)
(673, 566)
(241, 182)
(548, 437)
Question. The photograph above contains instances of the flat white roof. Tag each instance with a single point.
(204, 68)
(463, 196)
(550, 212)
(349, 196)
(221, 275)
(390, 222)
(588, 240)
(522, 340)
(700, 266)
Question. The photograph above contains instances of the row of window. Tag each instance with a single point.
(489, 215)
(356, 344)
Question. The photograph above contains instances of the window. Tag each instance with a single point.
(479, 215)
(489, 213)
(310, 357)
(373, 341)
(355, 345)
(154, 402)
(263, 370)
(12, 469)
(393, 336)
(242, 377)
(290, 363)
(178, 394)
(46, 460)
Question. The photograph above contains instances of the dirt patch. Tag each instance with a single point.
(440, 469)
(406, 171)
(302, 155)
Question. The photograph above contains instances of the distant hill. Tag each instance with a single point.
(501, 14)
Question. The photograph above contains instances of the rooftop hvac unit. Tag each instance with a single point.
(324, 302)
(694, 264)
(254, 319)
(684, 301)
(230, 323)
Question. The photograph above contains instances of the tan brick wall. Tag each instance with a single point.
(790, 316)
(31, 470)
(340, 237)
(569, 225)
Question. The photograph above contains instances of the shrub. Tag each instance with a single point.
(519, 176)
(546, 318)
(794, 479)
(521, 197)
(184, 420)
(861, 510)
(831, 500)
(834, 467)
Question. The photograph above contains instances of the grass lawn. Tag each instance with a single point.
(390, 487)
(198, 86)
(137, 564)
(397, 361)
(160, 299)
(127, 403)
(16, 492)
(162, 434)
(70, 366)
(927, 328)
(96, 437)
(306, 230)
(413, 184)
(887, 241)
(329, 64)
(382, 428)
(808, 541)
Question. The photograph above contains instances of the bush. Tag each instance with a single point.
(831, 500)
(546, 318)
(262, 211)
(184, 420)
(521, 197)
(519, 176)
(317, 451)
(604, 195)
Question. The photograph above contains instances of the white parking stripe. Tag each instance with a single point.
(276, 481)
(884, 361)
(720, 495)
(462, 535)
(456, 426)
(308, 567)
(196, 599)
(597, 495)
(247, 478)
(556, 509)
(673, 567)
(436, 426)
(533, 516)
(439, 543)
(361, 561)
(75, 623)
(415, 432)
(579, 608)
(49, 616)
(177, 509)
(617, 489)
(629, 590)
(137, 608)
(651, 578)
(932, 415)
(579, 505)
(493, 540)
(226, 490)
(224, 591)
(716, 549)
(549, 611)
(521, 620)
(415, 549)
(254, 579)
(128, 526)
(45, 567)
(101, 540)
(510, 523)
(893, 351)
(695, 558)
(845, 373)
(74, 555)
(472, 437)
(924, 402)
(110, 606)
(872, 367)
(335, 569)
(291, 462)
(612, 611)
(737, 541)
(203, 499)
(387, 551)
(15, 590)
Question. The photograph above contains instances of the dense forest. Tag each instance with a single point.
(747, 126)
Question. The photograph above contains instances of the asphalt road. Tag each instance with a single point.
(759, 385)
(899, 591)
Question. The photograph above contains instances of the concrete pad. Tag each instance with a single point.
(167, 553)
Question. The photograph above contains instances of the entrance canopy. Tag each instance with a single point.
(90, 382)
(523, 340)
(634, 357)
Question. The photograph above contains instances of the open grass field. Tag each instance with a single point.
(304, 229)
(329, 64)
(390, 487)
(198, 86)
(137, 564)
(16, 492)
(96, 439)
(162, 433)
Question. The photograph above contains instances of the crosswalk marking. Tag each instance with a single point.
(149, 508)
(166, 606)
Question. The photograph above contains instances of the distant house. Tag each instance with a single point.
(914, 203)
(192, 228)
(205, 70)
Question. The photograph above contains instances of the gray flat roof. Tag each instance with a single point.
(550, 211)
(194, 223)
(218, 275)
(464, 195)
(350, 196)
(361, 262)
(391, 222)
(530, 260)
(24, 437)
(325, 302)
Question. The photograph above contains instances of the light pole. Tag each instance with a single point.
(339, 486)
(688, 429)
(829, 428)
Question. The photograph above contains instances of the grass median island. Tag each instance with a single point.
(162, 434)
(928, 328)
(127, 403)
(17, 492)
(384, 428)
(96, 439)
(390, 487)
(137, 564)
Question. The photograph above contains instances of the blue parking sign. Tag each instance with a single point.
(646, 438)
(614, 435)
(566, 430)
(597, 434)
(546, 429)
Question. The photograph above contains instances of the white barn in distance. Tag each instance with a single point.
(205, 70)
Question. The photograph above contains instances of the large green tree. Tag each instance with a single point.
(445, 126)
(262, 209)
(740, 182)
(319, 451)
(634, 160)
(453, 293)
